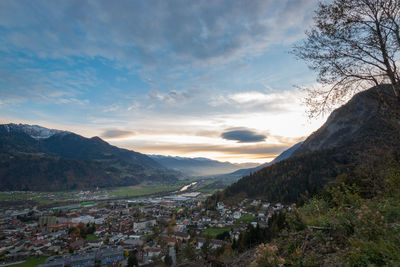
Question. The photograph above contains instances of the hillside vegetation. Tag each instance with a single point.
(343, 187)
(354, 222)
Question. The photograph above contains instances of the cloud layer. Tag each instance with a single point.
(243, 136)
(146, 30)
(156, 75)
(116, 133)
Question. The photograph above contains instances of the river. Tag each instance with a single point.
(186, 187)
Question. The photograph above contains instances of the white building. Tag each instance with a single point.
(83, 219)
(237, 215)
(142, 225)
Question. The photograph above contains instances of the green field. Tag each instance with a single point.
(44, 200)
(133, 191)
(39, 197)
(214, 231)
(179, 208)
(52, 197)
(92, 237)
(15, 196)
(208, 190)
(247, 219)
(32, 262)
(36, 197)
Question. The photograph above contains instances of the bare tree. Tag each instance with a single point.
(353, 45)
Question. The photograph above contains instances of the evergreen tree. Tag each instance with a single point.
(205, 249)
(132, 260)
(168, 260)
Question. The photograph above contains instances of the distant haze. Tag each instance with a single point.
(199, 166)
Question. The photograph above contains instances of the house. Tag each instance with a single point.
(182, 236)
(77, 244)
(200, 242)
(265, 205)
(262, 224)
(163, 219)
(234, 233)
(87, 259)
(144, 224)
(83, 219)
(206, 219)
(169, 240)
(132, 242)
(108, 256)
(262, 217)
(100, 220)
(237, 215)
(94, 243)
(152, 252)
(215, 243)
(45, 221)
(180, 227)
(278, 206)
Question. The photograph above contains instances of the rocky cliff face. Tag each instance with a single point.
(346, 123)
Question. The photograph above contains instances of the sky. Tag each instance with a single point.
(197, 78)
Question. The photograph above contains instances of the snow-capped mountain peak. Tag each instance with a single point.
(34, 131)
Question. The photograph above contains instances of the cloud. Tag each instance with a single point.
(259, 101)
(171, 46)
(264, 150)
(252, 97)
(135, 106)
(172, 97)
(243, 136)
(151, 31)
(21, 83)
(116, 133)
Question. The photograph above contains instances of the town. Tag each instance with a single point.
(148, 231)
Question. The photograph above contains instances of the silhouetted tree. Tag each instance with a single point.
(355, 44)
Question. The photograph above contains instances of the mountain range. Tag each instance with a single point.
(199, 166)
(234, 176)
(33, 157)
(352, 136)
(37, 158)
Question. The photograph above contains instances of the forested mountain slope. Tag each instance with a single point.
(36, 158)
(345, 142)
